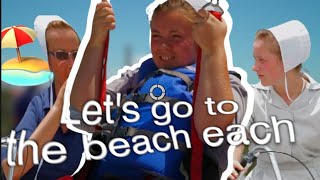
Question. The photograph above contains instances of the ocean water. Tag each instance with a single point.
(25, 78)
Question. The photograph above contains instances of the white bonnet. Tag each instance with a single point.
(40, 25)
(294, 42)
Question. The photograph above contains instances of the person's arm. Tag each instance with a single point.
(237, 154)
(43, 134)
(127, 80)
(87, 84)
(214, 79)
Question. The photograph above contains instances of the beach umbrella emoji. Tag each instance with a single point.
(16, 36)
(23, 71)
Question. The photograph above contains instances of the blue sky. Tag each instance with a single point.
(132, 33)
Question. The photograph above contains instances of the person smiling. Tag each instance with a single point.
(177, 31)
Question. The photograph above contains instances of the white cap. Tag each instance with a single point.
(294, 41)
(40, 25)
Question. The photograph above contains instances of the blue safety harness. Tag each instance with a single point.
(178, 86)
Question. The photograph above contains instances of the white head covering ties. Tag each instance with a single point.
(40, 25)
(295, 45)
(294, 41)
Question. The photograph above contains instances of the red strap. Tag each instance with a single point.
(103, 91)
(197, 145)
(216, 14)
(65, 178)
(88, 164)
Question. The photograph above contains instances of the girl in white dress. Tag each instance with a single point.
(287, 94)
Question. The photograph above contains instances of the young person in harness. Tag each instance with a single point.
(177, 31)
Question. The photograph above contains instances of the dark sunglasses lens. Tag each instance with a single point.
(74, 54)
(62, 55)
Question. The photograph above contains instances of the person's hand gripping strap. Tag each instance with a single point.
(103, 90)
(197, 144)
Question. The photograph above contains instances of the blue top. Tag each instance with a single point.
(164, 164)
(72, 141)
(112, 166)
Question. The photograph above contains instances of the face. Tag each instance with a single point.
(61, 40)
(268, 65)
(172, 44)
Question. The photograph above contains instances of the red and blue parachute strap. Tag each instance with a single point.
(87, 167)
(197, 150)
(103, 90)
(65, 178)
(85, 171)
(197, 145)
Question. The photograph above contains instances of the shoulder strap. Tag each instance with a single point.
(235, 74)
(182, 76)
(139, 98)
(185, 78)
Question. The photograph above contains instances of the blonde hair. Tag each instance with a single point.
(58, 24)
(179, 5)
(267, 36)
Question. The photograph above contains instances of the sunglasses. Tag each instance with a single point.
(63, 55)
